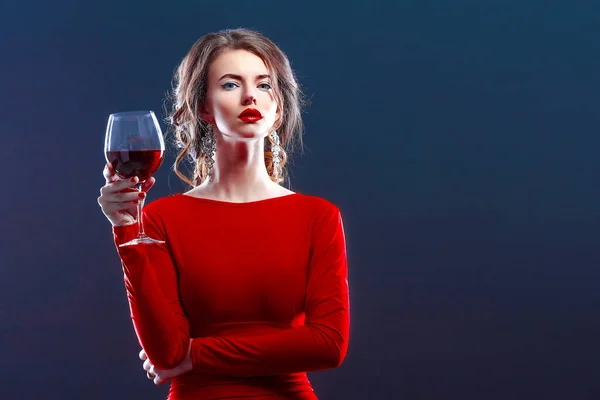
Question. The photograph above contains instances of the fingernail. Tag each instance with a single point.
(142, 195)
(134, 179)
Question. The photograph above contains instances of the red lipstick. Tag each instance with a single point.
(250, 115)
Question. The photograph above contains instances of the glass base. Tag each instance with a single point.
(142, 239)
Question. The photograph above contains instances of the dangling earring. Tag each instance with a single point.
(209, 147)
(276, 149)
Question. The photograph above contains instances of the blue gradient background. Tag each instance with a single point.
(460, 139)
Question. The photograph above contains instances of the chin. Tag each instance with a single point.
(246, 134)
(249, 131)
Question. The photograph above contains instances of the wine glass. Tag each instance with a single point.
(134, 146)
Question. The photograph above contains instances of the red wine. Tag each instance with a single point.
(130, 163)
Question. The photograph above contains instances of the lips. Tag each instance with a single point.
(250, 115)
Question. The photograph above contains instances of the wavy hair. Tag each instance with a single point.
(190, 85)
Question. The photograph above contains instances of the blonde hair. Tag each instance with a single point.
(189, 95)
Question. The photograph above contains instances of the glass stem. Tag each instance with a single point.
(140, 204)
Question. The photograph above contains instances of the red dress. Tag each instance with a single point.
(261, 287)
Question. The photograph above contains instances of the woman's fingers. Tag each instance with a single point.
(146, 186)
(119, 201)
(121, 197)
(148, 367)
(118, 186)
(109, 173)
(114, 183)
(110, 208)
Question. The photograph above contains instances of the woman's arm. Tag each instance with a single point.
(320, 344)
(162, 328)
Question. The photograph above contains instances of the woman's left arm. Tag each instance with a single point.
(322, 341)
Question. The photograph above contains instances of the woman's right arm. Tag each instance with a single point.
(160, 324)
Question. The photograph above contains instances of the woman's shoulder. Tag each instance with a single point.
(163, 204)
(320, 205)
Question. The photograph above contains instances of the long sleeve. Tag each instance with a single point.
(162, 328)
(320, 343)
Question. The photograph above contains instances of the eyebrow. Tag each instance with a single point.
(239, 78)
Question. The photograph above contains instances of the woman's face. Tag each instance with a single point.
(240, 101)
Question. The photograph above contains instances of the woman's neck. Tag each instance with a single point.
(239, 172)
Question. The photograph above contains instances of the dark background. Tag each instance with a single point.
(459, 138)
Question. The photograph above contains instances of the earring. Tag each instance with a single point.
(276, 149)
(209, 147)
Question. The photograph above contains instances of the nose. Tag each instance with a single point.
(248, 99)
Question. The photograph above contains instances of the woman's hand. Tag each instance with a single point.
(160, 376)
(118, 197)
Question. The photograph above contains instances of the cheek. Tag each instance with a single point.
(222, 107)
(272, 108)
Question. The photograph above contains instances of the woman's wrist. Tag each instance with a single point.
(188, 358)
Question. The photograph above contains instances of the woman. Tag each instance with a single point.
(250, 290)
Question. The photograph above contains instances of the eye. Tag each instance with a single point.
(229, 85)
(264, 86)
